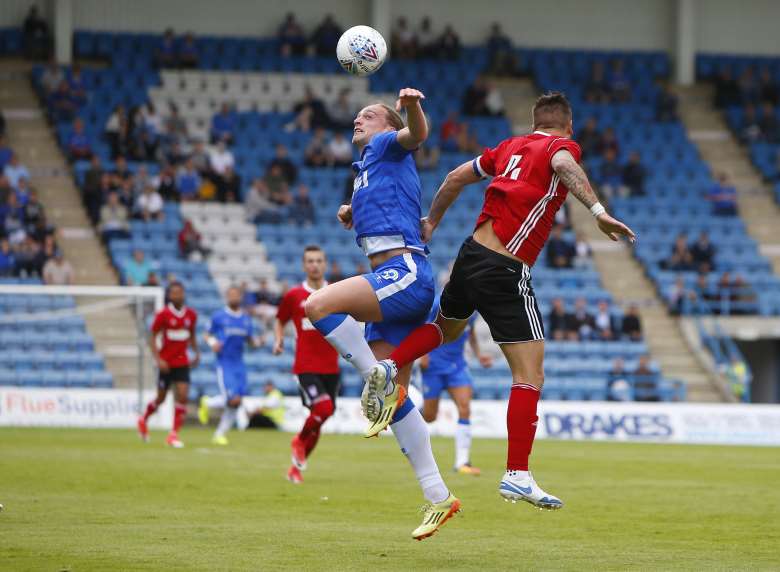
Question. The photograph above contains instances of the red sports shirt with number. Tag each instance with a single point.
(525, 192)
(313, 354)
(174, 328)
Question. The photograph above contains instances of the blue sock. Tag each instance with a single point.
(403, 411)
(329, 323)
(464, 421)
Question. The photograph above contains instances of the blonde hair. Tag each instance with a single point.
(394, 118)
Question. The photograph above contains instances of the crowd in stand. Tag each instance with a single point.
(582, 325)
(639, 384)
(614, 178)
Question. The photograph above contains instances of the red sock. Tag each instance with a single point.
(421, 341)
(320, 411)
(178, 416)
(151, 407)
(521, 421)
(311, 442)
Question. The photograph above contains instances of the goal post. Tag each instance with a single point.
(66, 335)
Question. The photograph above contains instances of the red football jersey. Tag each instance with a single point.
(313, 354)
(176, 327)
(525, 192)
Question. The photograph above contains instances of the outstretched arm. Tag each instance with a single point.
(576, 181)
(416, 131)
(450, 189)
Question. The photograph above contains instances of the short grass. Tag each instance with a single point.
(101, 500)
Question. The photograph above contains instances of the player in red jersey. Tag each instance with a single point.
(316, 361)
(174, 326)
(531, 176)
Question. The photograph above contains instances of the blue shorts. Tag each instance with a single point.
(232, 380)
(404, 286)
(435, 383)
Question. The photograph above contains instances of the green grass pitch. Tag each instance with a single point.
(101, 500)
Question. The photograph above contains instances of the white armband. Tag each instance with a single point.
(597, 209)
(212, 341)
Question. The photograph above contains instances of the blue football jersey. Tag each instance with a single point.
(233, 330)
(386, 197)
(449, 358)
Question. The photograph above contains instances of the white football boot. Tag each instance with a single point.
(520, 485)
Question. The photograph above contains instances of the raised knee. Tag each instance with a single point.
(314, 308)
(429, 416)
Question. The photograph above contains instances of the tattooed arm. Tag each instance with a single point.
(576, 181)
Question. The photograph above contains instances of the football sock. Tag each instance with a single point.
(151, 407)
(215, 401)
(344, 333)
(462, 442)
(319, 413)
(179, 412)
(226, 421)
(412, 435)
(421, 341)
(521, 422)
(242, 418)
(311, 442)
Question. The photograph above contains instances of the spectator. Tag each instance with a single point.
(474, 100)
(610, 174)
(618, 386)
(229, 186)
(278, 191)
(175, 127)
(267, 302)
(500, 52)
(113, 219)
(316, 153)
(52, 77)
(603, 322)
(166, 184)
(590, 139)
(450, 130)
(770, 129)
(677, 295)
(448, 46)
(282, 160)
(149, 205)
(79, 147)
(23, 192)
(582, 322)
(326, 36)
(190, 243)
(137, 269)
(609, 141)
(751, 127)
(748, 87)
(57, 270)
(666, 104)
(494, 101)
(116, 131)
(188, 52)
(703, 253)
(77, 86)
(35, 35)
(723, 197)
(597, 89)
(14, 171)
(61, 104)
(291, 36)
(29, 258)
(341, 112)
(634, 176)
(335, 274)
(402, 40)
(200, 158)
(188, 181)
(90, 190)
(41, 230)
(166, 53)
(582, 252)
(302, 209)
(310, 113)
(645, 381)
(560, 252)
(726, 90)
(223, 125)
(220, 159)
(7, 258)
(632, 325)
(13, 225)
(768, 89)
(426, 39)
(559, 320)
(618, 84)
(340, 150)
(258, 205)
(32, 212)
(680, 258)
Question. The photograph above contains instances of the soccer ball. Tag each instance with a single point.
(361, 50)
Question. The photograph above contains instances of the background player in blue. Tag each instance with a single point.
(397, 294)
(231, 328)
(446, 368)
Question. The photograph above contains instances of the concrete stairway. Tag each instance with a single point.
(622, 275)
(718, 146)
(32, 139)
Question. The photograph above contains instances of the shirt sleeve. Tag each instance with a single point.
(283, 313)
(214, 327)
(158, 323)
(386, 146)
(485, 165)
(560, 143)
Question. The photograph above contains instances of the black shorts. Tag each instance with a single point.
(499, 288)
(314, 387)
(174, 375)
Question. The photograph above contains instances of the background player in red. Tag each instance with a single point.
(174, 326)
(316, 361)
(531, 176)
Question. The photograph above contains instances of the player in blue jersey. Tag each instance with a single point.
(446, 368)
(397, 294)
(230, 330)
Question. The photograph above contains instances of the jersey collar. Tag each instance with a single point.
(175, 312)
(311, 290)
(541, 133)
(230, 312)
